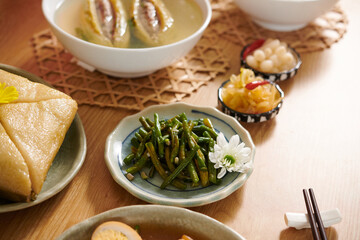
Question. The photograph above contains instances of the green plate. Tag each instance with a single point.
(118, 146)
(67, 162)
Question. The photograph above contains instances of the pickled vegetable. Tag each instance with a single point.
(253, 100)
(271, 56)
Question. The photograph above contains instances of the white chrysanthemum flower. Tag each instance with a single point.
(230, 156)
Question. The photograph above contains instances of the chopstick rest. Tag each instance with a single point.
(300, 220)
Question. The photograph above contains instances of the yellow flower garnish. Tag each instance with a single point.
(8, 94)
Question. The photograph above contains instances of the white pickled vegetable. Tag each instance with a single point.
(266, 65)
(252, 61)
(259, 55)
(272, 57)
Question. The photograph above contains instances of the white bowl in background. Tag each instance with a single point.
(284, 15)
(124, 62)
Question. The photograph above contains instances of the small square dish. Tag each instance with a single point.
(118, 146)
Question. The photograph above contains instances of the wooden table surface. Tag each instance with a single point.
(313, 142)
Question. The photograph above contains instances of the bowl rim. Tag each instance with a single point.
(296, 1)
(199, 31)
(251, 114)
(120, 212)
(257, 72)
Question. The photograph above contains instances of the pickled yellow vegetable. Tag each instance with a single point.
(238, 97)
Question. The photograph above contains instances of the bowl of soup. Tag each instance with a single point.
(127, 38)
(155, 222)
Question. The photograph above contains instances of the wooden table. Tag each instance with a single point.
(313, 142)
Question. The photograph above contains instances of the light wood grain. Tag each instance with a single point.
(313, 142)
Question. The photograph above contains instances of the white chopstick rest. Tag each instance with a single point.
(300, 220)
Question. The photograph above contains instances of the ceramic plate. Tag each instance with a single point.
(118, 147)
(166, 216)
(66, 163)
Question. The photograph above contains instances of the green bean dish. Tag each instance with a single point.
(177, 149)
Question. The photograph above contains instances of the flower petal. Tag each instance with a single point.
(234, 141)
(221, 173)
(220, 140)
(8, 94)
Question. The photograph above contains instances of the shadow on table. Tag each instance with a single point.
(224, 210)
(261, 131)
(305, 234)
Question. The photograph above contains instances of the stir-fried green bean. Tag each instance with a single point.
(144, 123)
(139, 164)
(202, 128)
(158, 135)
(143, 132)
(176, 148)
(159, 168)
(170, 164)
(207, 122)
(135, 142)
(129, 158)
(181, 167)
(151, 123)
(138, 137)
(212, 170)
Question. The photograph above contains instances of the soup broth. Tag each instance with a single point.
(187, 17)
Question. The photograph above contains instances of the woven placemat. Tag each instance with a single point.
(236, 27)
(204, 63)
(230, 28)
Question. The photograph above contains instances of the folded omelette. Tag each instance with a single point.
(32, 129)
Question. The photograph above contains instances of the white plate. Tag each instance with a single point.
(165, 216)
(118, 147)
(67, 162)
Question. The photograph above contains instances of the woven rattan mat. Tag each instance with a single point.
(211, 58)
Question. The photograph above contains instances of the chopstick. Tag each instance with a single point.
(314, 217)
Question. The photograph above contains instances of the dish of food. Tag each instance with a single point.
(156, 222)
(183, 151)
(118, 147)
(130, 24)
(68, 159)
(271, 59)
(249, 98)
(136, 61)
(249, 94)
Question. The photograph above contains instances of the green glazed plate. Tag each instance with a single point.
(118, 146)
(67, 162)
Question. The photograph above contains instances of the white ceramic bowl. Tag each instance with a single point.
(124, 62)
(284, 15)
(187, 222)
